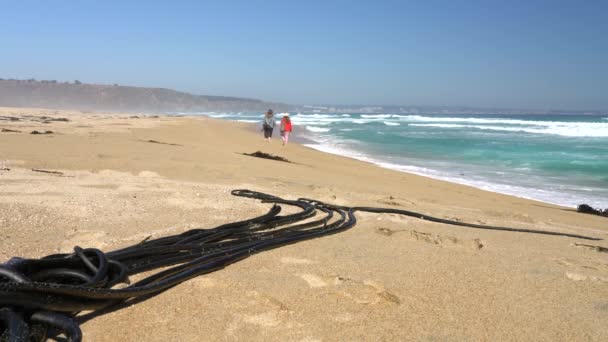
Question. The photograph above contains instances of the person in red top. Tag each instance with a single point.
(285, 128)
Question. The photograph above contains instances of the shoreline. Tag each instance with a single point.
(489, 186)
(310, 139)
(388, 278)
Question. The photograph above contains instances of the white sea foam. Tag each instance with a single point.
(194, 113)
(423, 171)
(561, 128)
(315, 116)
(388, 123)
(475, 120)
(317, 129)
(319, 119)
(218, 115)
(567, 129)
(376, 116)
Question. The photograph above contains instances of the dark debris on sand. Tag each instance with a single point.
(48, 171)
(587, 209)
(41, 132)
(9, 118)
(260, 154)
(160, 142)
(43, 119)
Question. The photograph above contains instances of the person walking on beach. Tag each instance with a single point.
(285, 128)
(268, 124)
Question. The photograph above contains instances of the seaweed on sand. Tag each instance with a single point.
(263, 155)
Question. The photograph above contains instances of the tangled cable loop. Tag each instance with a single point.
(41, 298)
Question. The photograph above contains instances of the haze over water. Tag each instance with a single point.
(557, 159)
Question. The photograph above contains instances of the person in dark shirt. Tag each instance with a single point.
(268, 124)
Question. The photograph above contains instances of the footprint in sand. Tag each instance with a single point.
(601, 306)
(366, 292)
(587, 271)
(434, 239)
(565, 262)
(148, 174)
(525, 218)
(296, 261)
(278, 184)
(203, 282)
(263, 311)
(267, 301)
(101, 186)
(390, 200)
(313, 280)
(323, 193)
(595, 248)
(588, 264)
(266, 319)
(85, 239)
(387, 231)
(583, 277)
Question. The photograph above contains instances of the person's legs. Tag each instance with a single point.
(286, 138)
(267, 133)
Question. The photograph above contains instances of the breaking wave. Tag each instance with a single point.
(567, 129)
(317, 129)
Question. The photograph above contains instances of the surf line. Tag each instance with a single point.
(41, 298)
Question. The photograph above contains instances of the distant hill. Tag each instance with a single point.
(97, 97)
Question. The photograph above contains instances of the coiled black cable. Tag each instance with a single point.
(42, 297)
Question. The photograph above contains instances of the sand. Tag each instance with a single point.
(389, 278)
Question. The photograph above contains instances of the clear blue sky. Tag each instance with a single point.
(524, 54)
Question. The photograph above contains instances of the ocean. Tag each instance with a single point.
(560, 159)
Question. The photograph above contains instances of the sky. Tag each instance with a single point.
(503, 54)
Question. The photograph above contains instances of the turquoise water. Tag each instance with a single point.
(557, 159)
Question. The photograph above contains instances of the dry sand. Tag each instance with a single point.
(389, 278)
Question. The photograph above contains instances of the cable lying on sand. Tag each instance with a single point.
(41, 298)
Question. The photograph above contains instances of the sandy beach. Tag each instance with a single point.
(122, 177)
